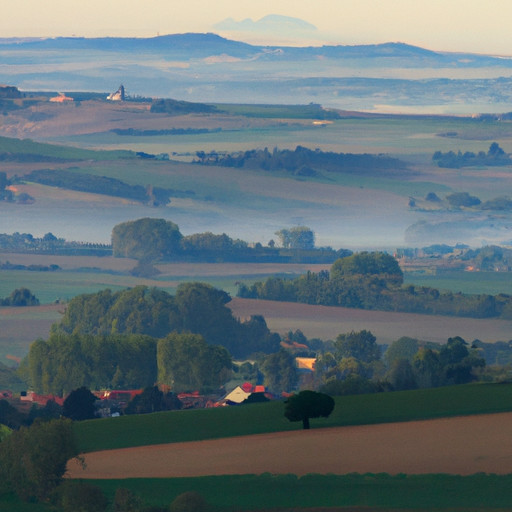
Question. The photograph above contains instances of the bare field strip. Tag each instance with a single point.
(180, 269)
(462, 445)
(237, 269)
(70, 262)
(326, 322)
(21, 326)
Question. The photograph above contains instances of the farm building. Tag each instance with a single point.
(61, 98)
(241, 393)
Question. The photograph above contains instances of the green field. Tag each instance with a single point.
(255, 492)
(397, 135)
(64, 285)
(492, 283)
(340, 493)
(381, 492)
(179, 426)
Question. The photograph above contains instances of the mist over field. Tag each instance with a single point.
(367, 211)
(391, 77)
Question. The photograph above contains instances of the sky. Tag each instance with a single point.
(477, 26)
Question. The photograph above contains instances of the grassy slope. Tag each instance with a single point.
(492, 283)
(29, 147)
(252, 492)
(171, 427)
(48, 286)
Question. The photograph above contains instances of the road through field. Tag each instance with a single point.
(326, 322)
(463, 445)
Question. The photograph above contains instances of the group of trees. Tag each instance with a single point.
(196, 307)
(300, 237)
(375, 281)
(33, 463)
(136, 337)
(303, 161)
(494, 156)
(66, 362)
(151, 240)
(49, 244)
(33, 459)
(355, 364)
(184, 362)
(99, 185)
(465, 200)
(20, 297)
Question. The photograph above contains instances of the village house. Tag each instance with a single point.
(41, 400)
(241, 393)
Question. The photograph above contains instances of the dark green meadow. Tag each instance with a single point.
(381, 492)
(316, 493)
(179, 426)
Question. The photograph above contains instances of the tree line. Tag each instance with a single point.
(375, 281)
(50, 244)
(152, 240)
(302, 161)
(100, 185)
(181, 361)
(495, 156)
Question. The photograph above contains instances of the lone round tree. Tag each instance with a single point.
(308, 404)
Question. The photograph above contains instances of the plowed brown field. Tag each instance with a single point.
(326, 322)
(462, 445)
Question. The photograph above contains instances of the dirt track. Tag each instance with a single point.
(463, 445)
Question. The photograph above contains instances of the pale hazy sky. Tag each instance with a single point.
(480, 26)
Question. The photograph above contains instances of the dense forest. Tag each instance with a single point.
(196, 307)
(303, 161)
(375, 281)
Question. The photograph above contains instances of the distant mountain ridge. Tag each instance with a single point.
(203, 45)
(209, 68)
